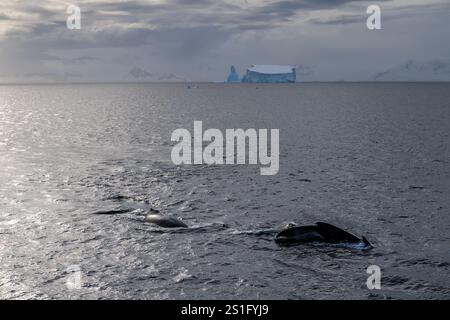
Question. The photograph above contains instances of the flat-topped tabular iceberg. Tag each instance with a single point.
(270, 74)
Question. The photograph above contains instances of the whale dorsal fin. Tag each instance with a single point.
(335, 234)
(366, 242)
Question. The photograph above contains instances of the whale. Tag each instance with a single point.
(164, 221)
(321, 232)
(111, 212)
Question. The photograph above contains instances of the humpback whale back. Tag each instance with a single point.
(165, 222)
(321, 232)
(299, 234)
(335, 234)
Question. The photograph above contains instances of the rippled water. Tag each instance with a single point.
(371, 158)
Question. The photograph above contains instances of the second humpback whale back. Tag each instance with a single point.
(164, 221)
(320, 232)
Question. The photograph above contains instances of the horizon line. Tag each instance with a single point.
(221, 82)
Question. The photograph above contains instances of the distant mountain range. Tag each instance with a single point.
(412, 70)
(139, 74)
(433, 70)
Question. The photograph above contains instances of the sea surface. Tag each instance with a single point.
(372, 158)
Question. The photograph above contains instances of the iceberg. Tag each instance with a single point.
(233, 76)
(270, 74)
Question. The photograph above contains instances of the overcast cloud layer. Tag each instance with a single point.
(173, 40)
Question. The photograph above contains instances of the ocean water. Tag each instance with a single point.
(372, 158)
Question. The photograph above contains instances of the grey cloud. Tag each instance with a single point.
(51, 76)
(193, 36)
(193, 2)
(81, 60)
(4, 17)
(190, 42)
(283, 11)
(344, 19)
(128, 6)
(163, 15)
(290, 7)
(398, 13)
(163, 20)
(304, 70)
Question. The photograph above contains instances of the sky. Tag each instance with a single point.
(198, 40)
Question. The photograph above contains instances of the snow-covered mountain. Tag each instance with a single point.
(138, 73)
(170, 77)
(433, 70)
